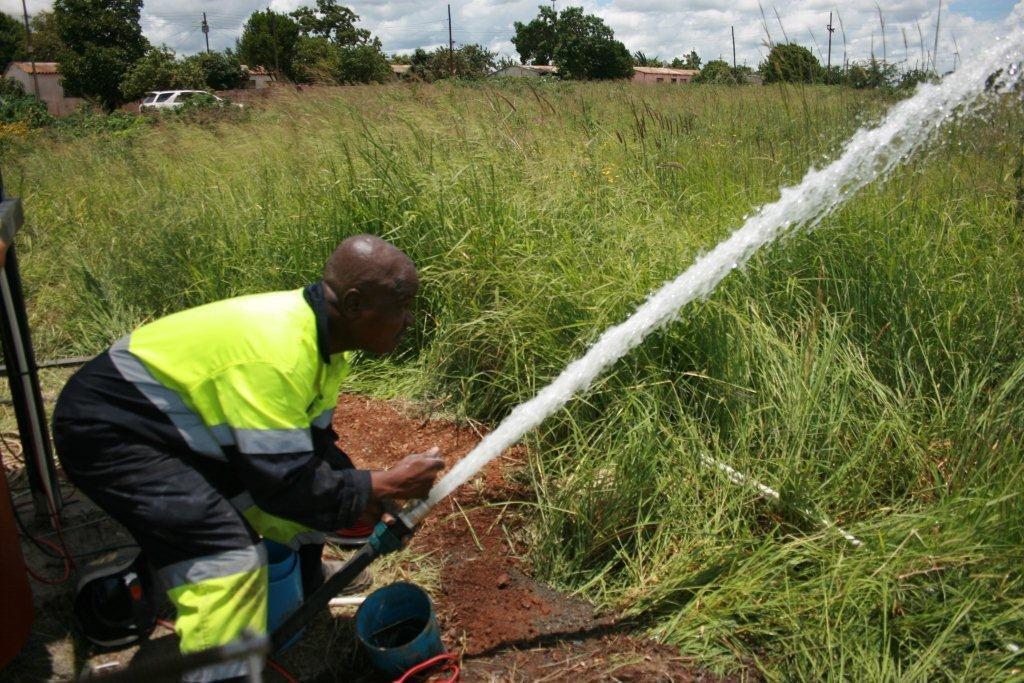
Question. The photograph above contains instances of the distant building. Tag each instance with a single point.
(401, 70)
(257, 77)
(525, 71)
(655, 74)
(51, 92)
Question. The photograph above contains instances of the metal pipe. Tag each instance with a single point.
(24, 378)
(737, 477)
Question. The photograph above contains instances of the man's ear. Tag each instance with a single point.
(351, 303)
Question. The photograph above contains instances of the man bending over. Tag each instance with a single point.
(209, 428)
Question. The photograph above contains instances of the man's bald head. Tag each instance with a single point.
(368, 263)
(370, 285)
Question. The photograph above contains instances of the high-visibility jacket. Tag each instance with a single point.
(246, 388)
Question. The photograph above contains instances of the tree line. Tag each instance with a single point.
(105, 57)
(582, 46)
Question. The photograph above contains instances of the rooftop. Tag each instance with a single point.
(40, 67)
(543, 68)
(663, 71)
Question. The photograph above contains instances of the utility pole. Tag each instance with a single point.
(273, 35)
(831, 29)
(206, 32)
(451, 45)
(31, 52)
(733, 30)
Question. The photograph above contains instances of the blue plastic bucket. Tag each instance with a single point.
(397, 628)
(285, 594)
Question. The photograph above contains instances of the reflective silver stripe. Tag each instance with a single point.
(190, 425)
(270, 441)
(323, 420)
(220, 672)
(223, 434)
(214, 566)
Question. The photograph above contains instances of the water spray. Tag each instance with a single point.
(869, 155)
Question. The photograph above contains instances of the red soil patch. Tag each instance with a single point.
(507, 625)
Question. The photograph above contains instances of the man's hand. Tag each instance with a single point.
(412, 477)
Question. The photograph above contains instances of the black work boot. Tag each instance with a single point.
(316, 570)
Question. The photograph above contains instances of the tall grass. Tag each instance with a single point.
(871, 371)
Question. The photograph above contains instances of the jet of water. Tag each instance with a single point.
(870, 154)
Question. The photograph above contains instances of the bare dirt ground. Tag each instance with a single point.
(469, 555)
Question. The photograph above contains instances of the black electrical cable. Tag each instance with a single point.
(26, 534)
(65, 500)
(45, 546)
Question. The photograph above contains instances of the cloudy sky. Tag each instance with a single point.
(666, 28)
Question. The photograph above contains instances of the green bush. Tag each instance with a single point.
(468, 62)
(24, 109)
(318, 60)
(85, 121)
(158, 70)
(204, 108)
(790, 63)
(881, 75)
(219, 70)
(11, 88)
(720, 72)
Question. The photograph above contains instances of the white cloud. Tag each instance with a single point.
(667, 28)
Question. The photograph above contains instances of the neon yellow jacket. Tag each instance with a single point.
(245, 386)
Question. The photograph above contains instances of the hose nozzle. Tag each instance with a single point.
(414, 512)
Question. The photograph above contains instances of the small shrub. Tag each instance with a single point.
(910, 79)
(205, 108)
(11, 88)
(24, 109)
(86, 121)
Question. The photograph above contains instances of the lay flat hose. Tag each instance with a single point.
(252, 647)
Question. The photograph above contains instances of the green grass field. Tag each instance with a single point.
(872, 370)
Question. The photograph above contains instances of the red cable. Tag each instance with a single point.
(281, 671)
(63, 555)
(62, 550)
(450, 660)
(55, 519)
